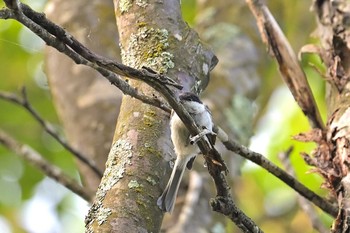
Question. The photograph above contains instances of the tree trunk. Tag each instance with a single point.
(152, 34)
(333, 153)
(86, 103)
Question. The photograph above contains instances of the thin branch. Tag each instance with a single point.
(290, 69)
(263, 162)
(62, 41)
(76, 46)
(49, 128)
(79, 48)
(304, 204)
(50, 170)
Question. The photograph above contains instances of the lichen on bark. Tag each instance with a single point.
(147, 38)
(148, 47)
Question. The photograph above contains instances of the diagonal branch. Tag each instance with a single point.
(37, 160)
(84, 52)
(48, 127)
(290, 69)
(40, 25)
(263, 162)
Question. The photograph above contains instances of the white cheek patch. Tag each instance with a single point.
(194, 107)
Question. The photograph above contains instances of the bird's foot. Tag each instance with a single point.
(197, 137)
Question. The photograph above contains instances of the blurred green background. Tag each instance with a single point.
(29, 199)
(29, 202)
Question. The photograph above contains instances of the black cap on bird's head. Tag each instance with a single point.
(189, 96)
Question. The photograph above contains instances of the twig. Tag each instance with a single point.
(58, 38)
(48, 127)
(37, 160)
(290, 69)
(304, 204)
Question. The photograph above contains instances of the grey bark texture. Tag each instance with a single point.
(86, 103)
(152, 34)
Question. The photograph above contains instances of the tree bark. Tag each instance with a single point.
(86, 103)
(152, 34)
(333, 154)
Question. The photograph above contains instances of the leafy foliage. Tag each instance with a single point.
(21, 65)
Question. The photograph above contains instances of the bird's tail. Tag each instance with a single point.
(166, 201)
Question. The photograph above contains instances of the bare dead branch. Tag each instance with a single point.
(49, 128)
(290, 69)
(50, 170)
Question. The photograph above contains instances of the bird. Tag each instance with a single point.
(185, 148)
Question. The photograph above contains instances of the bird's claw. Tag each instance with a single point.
(197, 137)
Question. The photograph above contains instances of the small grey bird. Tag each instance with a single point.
(184, 149)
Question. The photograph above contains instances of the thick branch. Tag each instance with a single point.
(37, 160)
